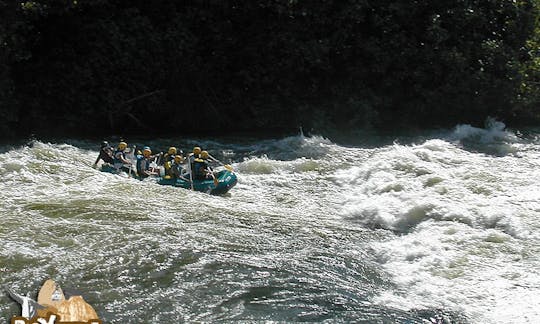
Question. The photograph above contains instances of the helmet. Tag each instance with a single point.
(122, 145)
(196, 150)
(204, 155)
(147, 151)
(104, 144)
(172, 150)
(178, 158)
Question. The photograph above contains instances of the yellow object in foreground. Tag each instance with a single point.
(74, 309)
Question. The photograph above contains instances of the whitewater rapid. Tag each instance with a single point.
(441, 227)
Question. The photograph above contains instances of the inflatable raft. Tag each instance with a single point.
(226, 179)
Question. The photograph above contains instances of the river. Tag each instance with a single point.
(440, 227)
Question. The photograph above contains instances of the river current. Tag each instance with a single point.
(433, 228)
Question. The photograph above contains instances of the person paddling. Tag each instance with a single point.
(191, 160)
(202, 169)
(196, 153)
(168, 159)
(169, 156)
(143, 163)
(120, 162)
(177, 168)
(105, 154)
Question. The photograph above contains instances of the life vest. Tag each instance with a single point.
(167, 166)
(192, 156)
(198, 169)
(116, 158)
(143, 164)
(168, 157)
(104, 155)
(177, 170)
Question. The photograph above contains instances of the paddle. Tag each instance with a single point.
(128, 165)
(190, 174)
(216, 181)
(226, 166)
(130, 158)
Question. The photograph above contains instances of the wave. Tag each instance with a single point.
(400, 187)
(285, 149)
(494, 139)
(444, 216)
(461, 211)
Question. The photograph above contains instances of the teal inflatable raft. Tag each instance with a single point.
(225, 181)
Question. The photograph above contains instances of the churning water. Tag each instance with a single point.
(441, 228)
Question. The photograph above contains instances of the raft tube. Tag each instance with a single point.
(226, 180)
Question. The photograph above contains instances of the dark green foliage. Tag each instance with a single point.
(118, 66)
(527, 107)
(8, 105)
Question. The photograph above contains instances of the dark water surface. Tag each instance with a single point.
(436, 228)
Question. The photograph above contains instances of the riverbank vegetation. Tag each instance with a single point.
(146, 67)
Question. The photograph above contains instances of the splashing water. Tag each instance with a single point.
(445, 230)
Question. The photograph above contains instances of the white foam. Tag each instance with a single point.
(461, 229)
(494, 132)
(463, 221)
(453, 266)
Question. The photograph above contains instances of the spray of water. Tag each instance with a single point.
(441, 229)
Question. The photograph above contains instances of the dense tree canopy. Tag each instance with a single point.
(118, 66)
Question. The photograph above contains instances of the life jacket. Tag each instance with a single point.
(199, 167)
(192, 156)
(104, 154)
(116, 158)
(168, 157)
(177, 169)
(191, 160)
(143, 164)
